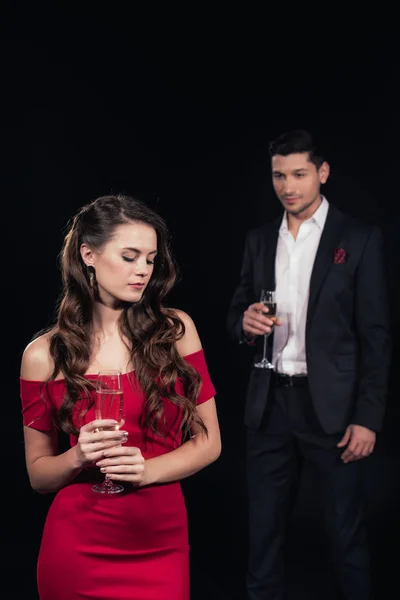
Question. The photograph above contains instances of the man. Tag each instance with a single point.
(324, 400)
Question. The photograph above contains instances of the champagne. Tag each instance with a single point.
(271, 310)
(109, 405)
(268, 298)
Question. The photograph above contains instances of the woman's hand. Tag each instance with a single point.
(96, 437)
(124, 463)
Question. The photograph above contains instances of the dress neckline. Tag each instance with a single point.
(94, 375)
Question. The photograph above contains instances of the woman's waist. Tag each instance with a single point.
(161, 501)
(135, 519)
(91, 475)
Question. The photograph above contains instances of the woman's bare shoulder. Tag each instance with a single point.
(190, 341)
(37, 364)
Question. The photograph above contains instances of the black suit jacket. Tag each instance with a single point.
(348, 344)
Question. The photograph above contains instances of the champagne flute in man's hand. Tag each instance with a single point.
(268, 298)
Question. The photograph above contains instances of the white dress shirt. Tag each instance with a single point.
(293, 266)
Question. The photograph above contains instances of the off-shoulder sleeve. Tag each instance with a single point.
(37, 408)
(198, 361)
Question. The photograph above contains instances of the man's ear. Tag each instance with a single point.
(324, 171)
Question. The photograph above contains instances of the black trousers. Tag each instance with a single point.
(291, 433)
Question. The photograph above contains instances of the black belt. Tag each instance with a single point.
(290, 380)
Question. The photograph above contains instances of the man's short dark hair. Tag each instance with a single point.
(297, 141)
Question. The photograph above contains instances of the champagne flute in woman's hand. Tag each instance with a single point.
(109, 405)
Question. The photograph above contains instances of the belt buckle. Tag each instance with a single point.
(285, 380)
(289, 381)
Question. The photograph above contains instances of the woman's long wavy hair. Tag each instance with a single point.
(151, 329)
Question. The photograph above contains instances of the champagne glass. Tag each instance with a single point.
(109, 405)
(268, 298)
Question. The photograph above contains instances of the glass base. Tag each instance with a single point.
(264, 364)
(107, 487)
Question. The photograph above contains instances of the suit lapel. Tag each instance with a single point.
(269, 254)
(330, 239)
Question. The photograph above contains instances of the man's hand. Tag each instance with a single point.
(360, 443)
(255, 321)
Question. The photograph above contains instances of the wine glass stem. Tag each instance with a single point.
(265, 346)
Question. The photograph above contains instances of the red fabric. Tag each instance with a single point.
(339, 256)
(131, 545)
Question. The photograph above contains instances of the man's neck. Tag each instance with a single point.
(294, 222)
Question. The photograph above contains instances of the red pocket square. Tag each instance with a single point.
(340, 256)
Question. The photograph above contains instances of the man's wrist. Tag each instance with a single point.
(248, 338)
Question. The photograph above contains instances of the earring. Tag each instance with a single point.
(91, 277)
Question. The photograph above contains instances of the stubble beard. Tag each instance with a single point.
(298, 211)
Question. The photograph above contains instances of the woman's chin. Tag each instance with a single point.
(120, 301)
(132, 296)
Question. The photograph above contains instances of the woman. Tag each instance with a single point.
(116, 269)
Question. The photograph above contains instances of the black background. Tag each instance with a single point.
(179, 110)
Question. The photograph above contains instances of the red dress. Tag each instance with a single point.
(132, 545)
